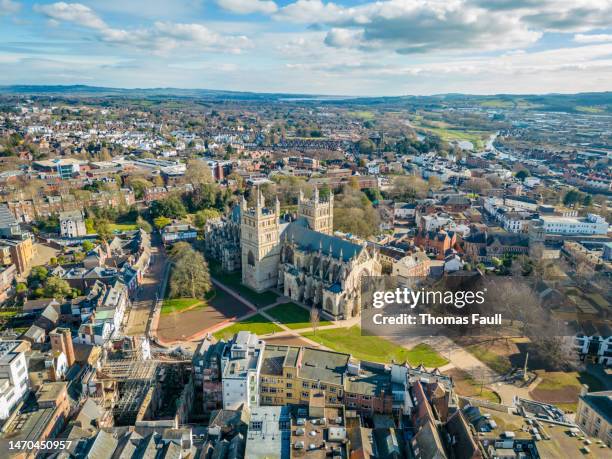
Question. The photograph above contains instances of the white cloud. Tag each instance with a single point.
(597, 38)
(72, 12)
(9, 7)
(161, 38)
(248, 6)
(415, 26)
(344, 38)
(310, 12)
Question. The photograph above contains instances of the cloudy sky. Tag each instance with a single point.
(352, 47)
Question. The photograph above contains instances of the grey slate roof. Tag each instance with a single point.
(308, 239)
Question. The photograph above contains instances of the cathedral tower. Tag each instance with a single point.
(260, 243)
(319, 212)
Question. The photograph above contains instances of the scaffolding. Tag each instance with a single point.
(128, 369)
(134, 378)
(131, 397)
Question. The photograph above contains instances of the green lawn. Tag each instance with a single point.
(466, 385)
(234, 281)
(176, 305)
(375, 348)
(119, 227)
(293, 316)
(257, 324)
(496, 362)
(563, 388)
(8, 313)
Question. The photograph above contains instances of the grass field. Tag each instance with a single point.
(467, 386)
(374, 348)
(475, 137)
(589, 109)
(293, 316)
(119, 227)
(177, 305)
(257, 324)
(497, 103)
(234, 281)
(362, 115)
(8, 313)
(563, 388)
(496, 362)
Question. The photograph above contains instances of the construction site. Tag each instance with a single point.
(149, 389)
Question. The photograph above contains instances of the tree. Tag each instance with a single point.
(190, 276)
(139, 185)
(88, 246)
(103, 229)
(434, 183)
(587, 201)
(365, 146)
(354, 213)
(21, 289)
(571, 198)
(57, 288)
(161, 222)
(314, 319)
(203, 196)
(478, 185)
(143, 224)
(522, 174)
(202, 216)
(198, 172)
(409, 188)
(89, 226)
(37, 276)
(171, 207)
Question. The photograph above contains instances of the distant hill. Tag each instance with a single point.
(590, 103)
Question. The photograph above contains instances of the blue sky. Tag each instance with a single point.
(385, 47)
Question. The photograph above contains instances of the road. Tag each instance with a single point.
(144, 304)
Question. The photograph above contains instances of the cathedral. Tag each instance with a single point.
(301, 258)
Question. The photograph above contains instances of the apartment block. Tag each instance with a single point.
(13, 376)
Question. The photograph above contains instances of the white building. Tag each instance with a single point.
(72, 224)
(595, 348)
(13, 376)
(240, 368)
(591, 225)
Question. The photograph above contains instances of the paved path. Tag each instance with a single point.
(143, 305)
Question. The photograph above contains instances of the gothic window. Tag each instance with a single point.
(251, 258)
(329, 306)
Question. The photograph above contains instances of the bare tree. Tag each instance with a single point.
(314, 319)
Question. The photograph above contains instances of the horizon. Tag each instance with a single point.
(314, 95)
(352, 48)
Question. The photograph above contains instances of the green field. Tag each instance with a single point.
(448, 135)
(374, 348)
(497, 103)
(176, 305)
(589, 109)
(8, 313)
(362, 115)
(293, 316)
(257, 324)
(120, 227)
(466, 385)
(234, 281)
(563, 388)
(496, 362)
